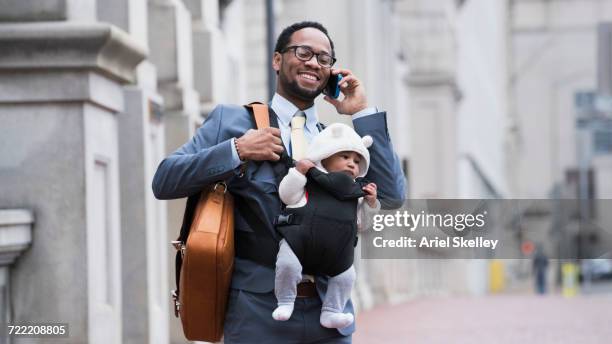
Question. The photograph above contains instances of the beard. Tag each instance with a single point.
(298, 91)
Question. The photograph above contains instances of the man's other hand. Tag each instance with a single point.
(260, 144)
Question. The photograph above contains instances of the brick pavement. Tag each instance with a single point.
(490, 319)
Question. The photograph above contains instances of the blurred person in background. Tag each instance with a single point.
(540, 267)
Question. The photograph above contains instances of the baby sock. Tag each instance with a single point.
(282, 312)
(336, 320)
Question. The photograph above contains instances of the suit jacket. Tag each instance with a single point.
(207, 158)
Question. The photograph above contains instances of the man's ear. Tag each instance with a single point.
(276, 61)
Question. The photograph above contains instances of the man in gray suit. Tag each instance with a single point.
(227, 148)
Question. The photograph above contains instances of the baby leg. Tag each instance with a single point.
(338, 292)
(288, 275)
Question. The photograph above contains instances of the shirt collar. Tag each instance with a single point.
(285, 110)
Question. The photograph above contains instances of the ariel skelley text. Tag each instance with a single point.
(424, 242)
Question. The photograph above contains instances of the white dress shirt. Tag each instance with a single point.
(285, 110)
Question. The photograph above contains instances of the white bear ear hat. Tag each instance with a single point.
(336, 138)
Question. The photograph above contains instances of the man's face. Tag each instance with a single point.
(300, 79)
(346, 162)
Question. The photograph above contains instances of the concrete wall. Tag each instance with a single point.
(553, 47)
(483, 123)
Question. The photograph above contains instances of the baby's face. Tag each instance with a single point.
(347, 162)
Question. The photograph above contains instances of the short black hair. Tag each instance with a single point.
(285, 35)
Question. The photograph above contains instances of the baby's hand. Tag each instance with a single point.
(370, 196)
(304, 165)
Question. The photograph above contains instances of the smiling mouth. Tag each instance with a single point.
(309, 77)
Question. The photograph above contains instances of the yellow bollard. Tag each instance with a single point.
(569, 273)
(496, 276)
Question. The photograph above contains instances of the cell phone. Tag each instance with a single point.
(332, 88)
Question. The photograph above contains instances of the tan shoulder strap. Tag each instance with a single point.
(262, 117)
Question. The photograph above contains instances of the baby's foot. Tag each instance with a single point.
(336, 320)
(282, 312)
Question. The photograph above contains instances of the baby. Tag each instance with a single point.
(325, 206)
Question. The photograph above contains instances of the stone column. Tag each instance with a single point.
(218, 57)
(170, 43)
(427, 37)
(433, 109)
(60, 93)
(208, 50)
(143, 219)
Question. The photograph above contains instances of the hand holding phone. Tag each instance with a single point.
(354, 100)
(332, 88)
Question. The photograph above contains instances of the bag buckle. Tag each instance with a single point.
(179, 246)
(220, 184)
(177, 304)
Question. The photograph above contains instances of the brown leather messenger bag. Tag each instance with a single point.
(205, 257)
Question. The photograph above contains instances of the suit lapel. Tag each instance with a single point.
(281, 167)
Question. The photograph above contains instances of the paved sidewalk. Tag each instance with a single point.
(490, 319)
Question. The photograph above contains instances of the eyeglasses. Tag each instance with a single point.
(304, 53)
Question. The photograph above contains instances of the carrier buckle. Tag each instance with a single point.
(283, 219)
